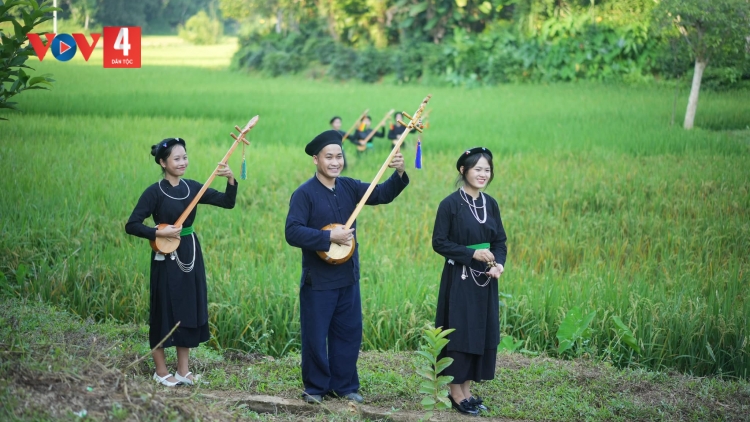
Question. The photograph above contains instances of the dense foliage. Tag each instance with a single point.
(154, 16)
(464, 42)
(454, 42)
(15, 49)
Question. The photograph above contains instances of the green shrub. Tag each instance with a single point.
(343, 63)
(278, 63)
(564, 49)
(201, 30)
(371, 65)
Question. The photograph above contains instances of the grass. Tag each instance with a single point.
(606, 206)
(47, 356)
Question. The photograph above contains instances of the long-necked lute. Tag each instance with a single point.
(166, 245)
(356, 122)
(362, 143)
(338, 254)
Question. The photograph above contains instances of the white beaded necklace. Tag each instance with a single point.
(473, 205)
(172, 197)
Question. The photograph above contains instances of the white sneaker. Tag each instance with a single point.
(165, 380)
(185, 379)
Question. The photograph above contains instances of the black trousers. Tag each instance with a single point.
(331, 323)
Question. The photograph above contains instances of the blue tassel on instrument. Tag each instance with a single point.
(243, 173)
(418, 159)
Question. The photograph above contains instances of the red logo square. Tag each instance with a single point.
(122, 46)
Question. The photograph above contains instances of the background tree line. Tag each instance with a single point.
(468, 42)
(154, 16)
(459, 42)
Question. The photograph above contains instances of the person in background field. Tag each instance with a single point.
(330, 303)
(178, 280)
(363, 131)
(335, 123)
(469, 233)
(395, 130)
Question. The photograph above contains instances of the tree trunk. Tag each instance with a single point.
(279, 17)
(331, 17)
(674, 101)
(700, 66)
(86, 23)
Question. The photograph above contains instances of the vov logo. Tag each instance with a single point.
(122, 46)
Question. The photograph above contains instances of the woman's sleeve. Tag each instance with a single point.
(145, 208)
(225, 199)
(440, 242)
(497, 245)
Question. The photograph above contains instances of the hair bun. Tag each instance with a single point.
(154, 150)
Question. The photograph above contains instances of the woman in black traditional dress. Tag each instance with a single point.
(178, 280)
(469, 234)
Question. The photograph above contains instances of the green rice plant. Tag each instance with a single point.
(645, 223)
(625, 335)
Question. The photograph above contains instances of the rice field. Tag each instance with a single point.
(607, 207)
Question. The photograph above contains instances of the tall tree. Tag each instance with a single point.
(82, 11)
(710, 28)
(276, 9)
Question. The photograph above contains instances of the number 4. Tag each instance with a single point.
(121, 43)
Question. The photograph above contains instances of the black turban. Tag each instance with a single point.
(321, 141)
(469, 152)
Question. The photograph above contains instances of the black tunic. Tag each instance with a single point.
(395, 130)
(177, 295)
(361, 135)
(314, 206)
(462, 304)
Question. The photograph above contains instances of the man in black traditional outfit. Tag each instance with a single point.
(330, 304)
(469, 233)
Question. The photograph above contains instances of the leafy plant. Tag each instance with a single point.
(202, 29)
(508, 344)
(574, 327)
(433, 384)
(625, 334)
(711, 29)
(13, 52)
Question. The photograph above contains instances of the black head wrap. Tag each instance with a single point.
(321, 141)
(468, 153)
(159, 151)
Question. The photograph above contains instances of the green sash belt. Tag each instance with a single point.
(477, 246)
(187, 231)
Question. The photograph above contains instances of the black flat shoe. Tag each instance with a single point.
(464, 407)
(312, 398)
(476, 402)
(353, 397)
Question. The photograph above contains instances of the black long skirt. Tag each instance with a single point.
(471, 367)
(193, 304)
(162, 321)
